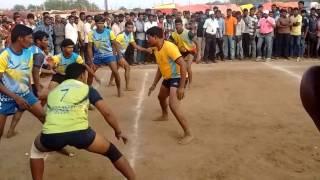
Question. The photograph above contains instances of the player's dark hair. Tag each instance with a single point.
(88, 16)
(30, 16)
(155, 31)
(39, 35)
(74, 70)
(67, 42)
(178, 20)
(98, 18)
(45, 14)
(20, 31)
(245, 10)
(301, 2)
(82, 13)
(296, 9)
(129, 23)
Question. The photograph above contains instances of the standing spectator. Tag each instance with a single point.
(220, 33)
(200, 35)
(312, 35)
(150, 23)
(122, 22)
(116, 26)
(252, 33)
(4, 33)
(140, 37)
(46, 27)
(210, 28)
(31, 23)
(59, 34)
(283, 35)
(71, 32)
(87, 28)
(246, 33)
(168, 26)
(304, 31)
(318, 36)
(80, 26)
(230, 31)
(275, 12)
(161, 22)
(300, 6)
(266, 25)
(295, 23)
(240, 28)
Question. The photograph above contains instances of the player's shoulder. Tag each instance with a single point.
(168, 45)
(4, 53)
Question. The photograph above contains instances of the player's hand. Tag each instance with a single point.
(180, 93)
(122, 137)
(92, 66)
(151, 89)
(149, 50)
(22, 103)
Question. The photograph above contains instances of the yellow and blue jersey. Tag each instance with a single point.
(124, 39)
(166, 58)
(102, 46)
(62, 62)
(16, 69)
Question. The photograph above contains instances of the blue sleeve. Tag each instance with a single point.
(94, 96)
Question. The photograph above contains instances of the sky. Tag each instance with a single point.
(113, 4)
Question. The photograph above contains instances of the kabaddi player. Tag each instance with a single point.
(310, 93)
(102, 50)
(67, 123)
(123, 40)
(16, 63)
(188, 46)
(40, 40)
(62, 60)
(173, 69)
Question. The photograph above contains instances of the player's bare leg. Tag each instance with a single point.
(174, 105)
(163, 96)
(114, 68)
(14, 122)
(2, 124)
(101, 146)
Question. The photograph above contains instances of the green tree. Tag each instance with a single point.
(122, 8)
(19, 7)
(70, 4)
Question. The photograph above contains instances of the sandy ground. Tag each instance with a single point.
(247, 118)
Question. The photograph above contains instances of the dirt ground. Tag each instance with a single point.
(247, 118)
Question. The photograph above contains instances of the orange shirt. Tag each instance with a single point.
(230, 25)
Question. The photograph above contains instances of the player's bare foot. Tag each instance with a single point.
(186, 139)
(130, 89)
(111, 84)
(162, 118)
(10, 134)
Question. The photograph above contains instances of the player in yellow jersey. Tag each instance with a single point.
(173, 69)
(188, 46)
(123, 40)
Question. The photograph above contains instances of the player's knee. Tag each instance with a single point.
(113, 153)
(35, 153)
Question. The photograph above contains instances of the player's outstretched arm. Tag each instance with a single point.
(155, 82)
(111, 119)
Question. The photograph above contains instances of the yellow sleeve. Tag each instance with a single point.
(79, 60)
(90, 37)
(3, 61)
(173, 51)
(112, 36)
(56, 59)
(119, 38)
(300, 19)
(131, 40)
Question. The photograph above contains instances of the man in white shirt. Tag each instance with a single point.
(71, 31)
(116, 26)
(80, 27)
(150, 23)
(211, 27)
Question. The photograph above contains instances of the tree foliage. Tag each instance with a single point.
(70, 4)
(19, 7)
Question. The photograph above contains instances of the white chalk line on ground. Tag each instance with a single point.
(134, 139)
(279, 68)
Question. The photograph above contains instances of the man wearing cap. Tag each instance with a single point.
(266, 25)
(210, 27)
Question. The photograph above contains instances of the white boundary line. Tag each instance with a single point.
(290, 73)
(135, 137)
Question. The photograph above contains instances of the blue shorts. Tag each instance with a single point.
(9, 107)
(81, 139)
(118, 57)
(105, 60)
(173, 82)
